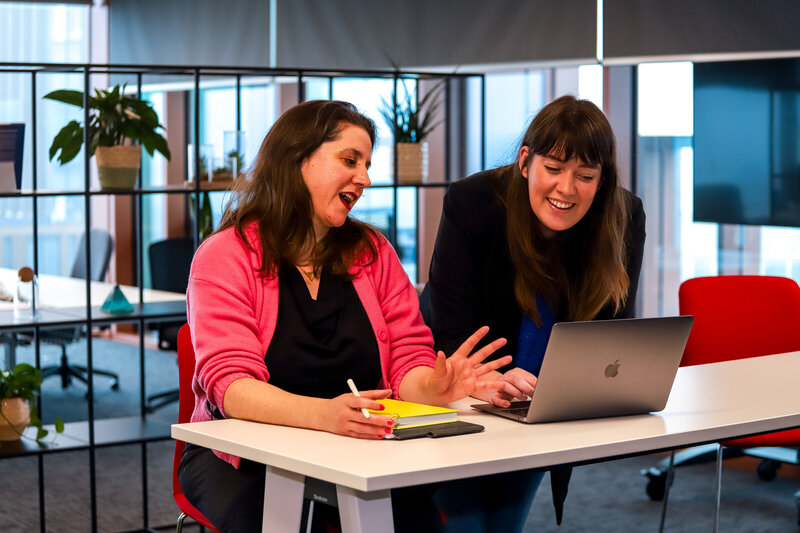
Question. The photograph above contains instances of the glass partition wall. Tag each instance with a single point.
(215, 119)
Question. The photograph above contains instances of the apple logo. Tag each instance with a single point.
(613, 369)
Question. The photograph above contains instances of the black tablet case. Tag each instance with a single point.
(436, 431)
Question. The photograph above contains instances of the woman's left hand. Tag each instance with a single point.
(457, 376)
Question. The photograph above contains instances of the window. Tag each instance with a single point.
(218, 124)
(513, 99)
(511, 102)
(42, 33)
(393, 211)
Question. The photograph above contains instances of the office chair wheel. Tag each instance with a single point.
(656, 483)
(767, 469)
(114, 386)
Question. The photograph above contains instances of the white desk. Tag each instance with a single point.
(64, 298)
(708, 403)
(58, 292)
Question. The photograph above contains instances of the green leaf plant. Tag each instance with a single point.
(24, 381)
(413, 121)
(113, 117)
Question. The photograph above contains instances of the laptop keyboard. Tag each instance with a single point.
(518, 408)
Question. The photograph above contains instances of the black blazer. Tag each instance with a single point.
(472, 275)
(472, 278)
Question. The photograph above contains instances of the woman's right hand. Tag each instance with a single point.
(343, 415)
(516, 384)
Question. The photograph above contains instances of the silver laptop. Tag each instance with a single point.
(604, 368)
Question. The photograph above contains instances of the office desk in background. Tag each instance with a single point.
(708, 403)
(63, 299)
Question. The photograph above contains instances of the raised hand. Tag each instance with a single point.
(458, 376)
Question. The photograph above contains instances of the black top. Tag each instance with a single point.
(472, 275)
(320, 343)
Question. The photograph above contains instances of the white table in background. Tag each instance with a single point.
(64, 298)
(707, 403)
(59, 292)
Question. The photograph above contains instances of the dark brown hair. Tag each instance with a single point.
(276, 197)
(581, 270)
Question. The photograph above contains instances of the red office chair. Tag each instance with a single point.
(738, 317)
(185, 408)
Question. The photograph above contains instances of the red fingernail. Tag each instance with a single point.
(390, 423)
(382, 407)
(387, 430)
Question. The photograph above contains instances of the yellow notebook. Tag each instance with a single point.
(410, 414)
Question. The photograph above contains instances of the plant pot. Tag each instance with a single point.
(412, 163)
(18, 412)
(118, 166)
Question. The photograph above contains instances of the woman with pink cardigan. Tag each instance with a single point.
(291, 297)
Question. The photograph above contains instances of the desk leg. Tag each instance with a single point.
(283, 501)
(365, 511)
(11, 349)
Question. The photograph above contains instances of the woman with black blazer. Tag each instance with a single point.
(551, 237)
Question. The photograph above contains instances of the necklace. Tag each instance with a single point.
(310, 274)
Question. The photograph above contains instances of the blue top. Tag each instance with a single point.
(533, 339)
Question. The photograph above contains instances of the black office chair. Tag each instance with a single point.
(102, 246)
(170, 262)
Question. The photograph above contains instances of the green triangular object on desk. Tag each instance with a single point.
(116, 303)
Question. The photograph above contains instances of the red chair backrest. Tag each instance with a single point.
(185, 375)
(185, 396)
(185, 409)
(736, 317)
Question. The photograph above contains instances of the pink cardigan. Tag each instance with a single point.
(232, 311)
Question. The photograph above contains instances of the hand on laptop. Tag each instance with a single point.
(516, 384)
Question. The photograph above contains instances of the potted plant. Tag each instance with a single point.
(114, 117)
(18, 388)
(411, 123)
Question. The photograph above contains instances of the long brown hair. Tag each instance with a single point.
(582, 269)
(276, 197)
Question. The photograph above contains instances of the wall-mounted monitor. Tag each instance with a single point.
(747, 142)
(11, 144)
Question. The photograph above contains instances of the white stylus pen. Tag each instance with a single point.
(354, 390)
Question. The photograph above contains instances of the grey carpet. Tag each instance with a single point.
(605, 497)
(161, 374)
(118, 468)
(611, 497)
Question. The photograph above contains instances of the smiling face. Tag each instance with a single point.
(561, 192)
(336, 176)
